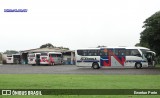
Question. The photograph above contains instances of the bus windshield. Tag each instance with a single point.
(43, 54)
(16, 56)
(144, 51)
(31, 55)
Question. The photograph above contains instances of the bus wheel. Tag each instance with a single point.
(138, 65)
(95, 66)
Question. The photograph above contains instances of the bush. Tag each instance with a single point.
(158, 60)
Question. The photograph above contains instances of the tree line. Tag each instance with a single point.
(150, 36)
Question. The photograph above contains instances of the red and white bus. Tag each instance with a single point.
(45, 58)
(135, 57)
(34, 58)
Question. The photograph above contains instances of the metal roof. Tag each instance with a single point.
(46, 50)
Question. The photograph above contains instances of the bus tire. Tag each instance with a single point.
(95, 66)
(138, 65)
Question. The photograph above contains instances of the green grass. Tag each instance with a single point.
(158, 65)
(48, 81)
(45, 81)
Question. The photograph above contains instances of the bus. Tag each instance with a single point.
(45, 58)
(34, 58)
(13, 59)
(115, 57)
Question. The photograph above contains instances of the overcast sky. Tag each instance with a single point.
(73, 23)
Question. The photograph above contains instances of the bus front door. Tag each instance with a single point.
(150, 58)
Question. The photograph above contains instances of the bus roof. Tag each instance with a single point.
(115, 47)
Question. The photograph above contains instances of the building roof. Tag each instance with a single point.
(46, 50)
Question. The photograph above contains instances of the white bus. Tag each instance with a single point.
(13, 59)
(45, 58)
(136, 57)
(34, 58)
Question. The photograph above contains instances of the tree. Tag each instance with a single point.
(63, 48)
(150, 36)
(138, 44)
(11, 52)
(47, 45)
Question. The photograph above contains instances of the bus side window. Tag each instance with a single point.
(85, 53)
(103, 53)
(121, 52)
(58, 55)
(116, 52)
(89, 53)
(106, 53)
(110, 52)
(92, 53)
(54, 55)
(80, 52)
(127, 52)
(133, 52)
(96, 52)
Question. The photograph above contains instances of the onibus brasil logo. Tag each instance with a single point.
(21, 92)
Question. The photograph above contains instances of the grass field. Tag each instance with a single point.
(49, 81)
(158, 65)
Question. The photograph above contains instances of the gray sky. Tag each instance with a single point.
(73, 23)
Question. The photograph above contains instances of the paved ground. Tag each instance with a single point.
(72, 69)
